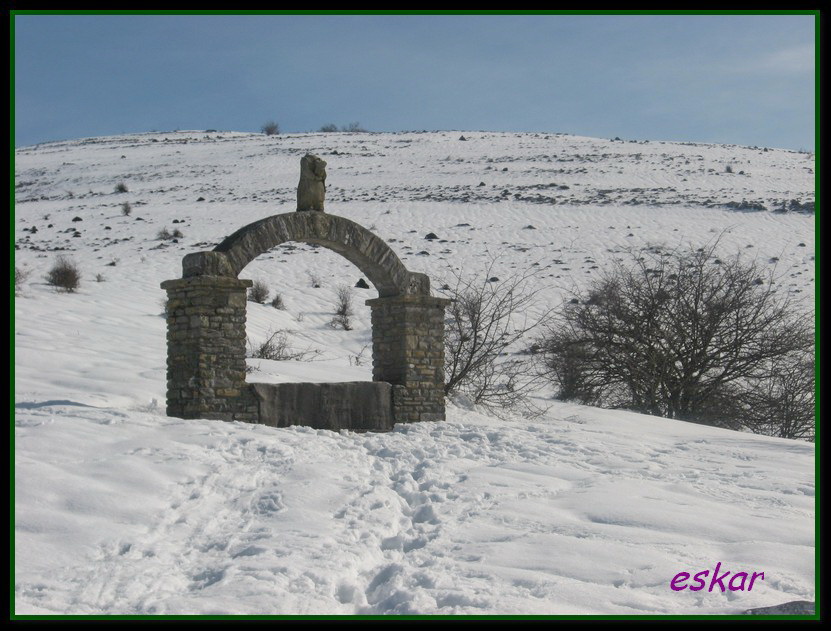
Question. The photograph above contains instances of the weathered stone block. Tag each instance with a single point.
(358, 405)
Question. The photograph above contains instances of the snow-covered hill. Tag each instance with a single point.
(120, 509)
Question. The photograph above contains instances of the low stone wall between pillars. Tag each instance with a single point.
(206, 349)
(408, 352)
(355, 405)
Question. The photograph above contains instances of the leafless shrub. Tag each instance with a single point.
(277, 302)
(276, 348)
(20, 276)
(164, 235)
(126, 209)
(485, 318)
(121, 187)
(685, 334)
(780, 398)
(64, 275)
(343, 309)
(314, 279)
(359, 359)
(341, 322)
(258, 292)
(271, 128)
(343, 301)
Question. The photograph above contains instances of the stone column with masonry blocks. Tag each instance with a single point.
(206, 349)
(408, 352)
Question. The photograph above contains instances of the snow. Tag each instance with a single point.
(120, 509)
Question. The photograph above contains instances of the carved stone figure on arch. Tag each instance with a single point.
(311, 190)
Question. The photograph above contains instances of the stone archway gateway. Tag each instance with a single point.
(206, 335)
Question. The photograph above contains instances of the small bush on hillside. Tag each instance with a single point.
(277, 302)
(258, 292)
(351, 127)
(64, 275)
(314, 279)
(341, 322)
(343, 301)
(121, 187)
(126, 209)
(20, 277)
(276, 348)
(164, 235)
(271, 128)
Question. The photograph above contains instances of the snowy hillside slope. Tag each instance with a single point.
(120, 509)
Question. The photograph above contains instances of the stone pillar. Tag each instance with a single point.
(206, 349)
(408, 352)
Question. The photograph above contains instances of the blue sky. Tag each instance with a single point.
(742, 79)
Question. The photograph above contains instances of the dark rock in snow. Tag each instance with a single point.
(431, 236)
(362, 284)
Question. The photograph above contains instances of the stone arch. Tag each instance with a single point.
(206, 335)
(365, 250)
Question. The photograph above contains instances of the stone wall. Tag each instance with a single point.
(355, 405)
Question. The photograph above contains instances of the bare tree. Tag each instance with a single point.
(485, 319)
(678, 333)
